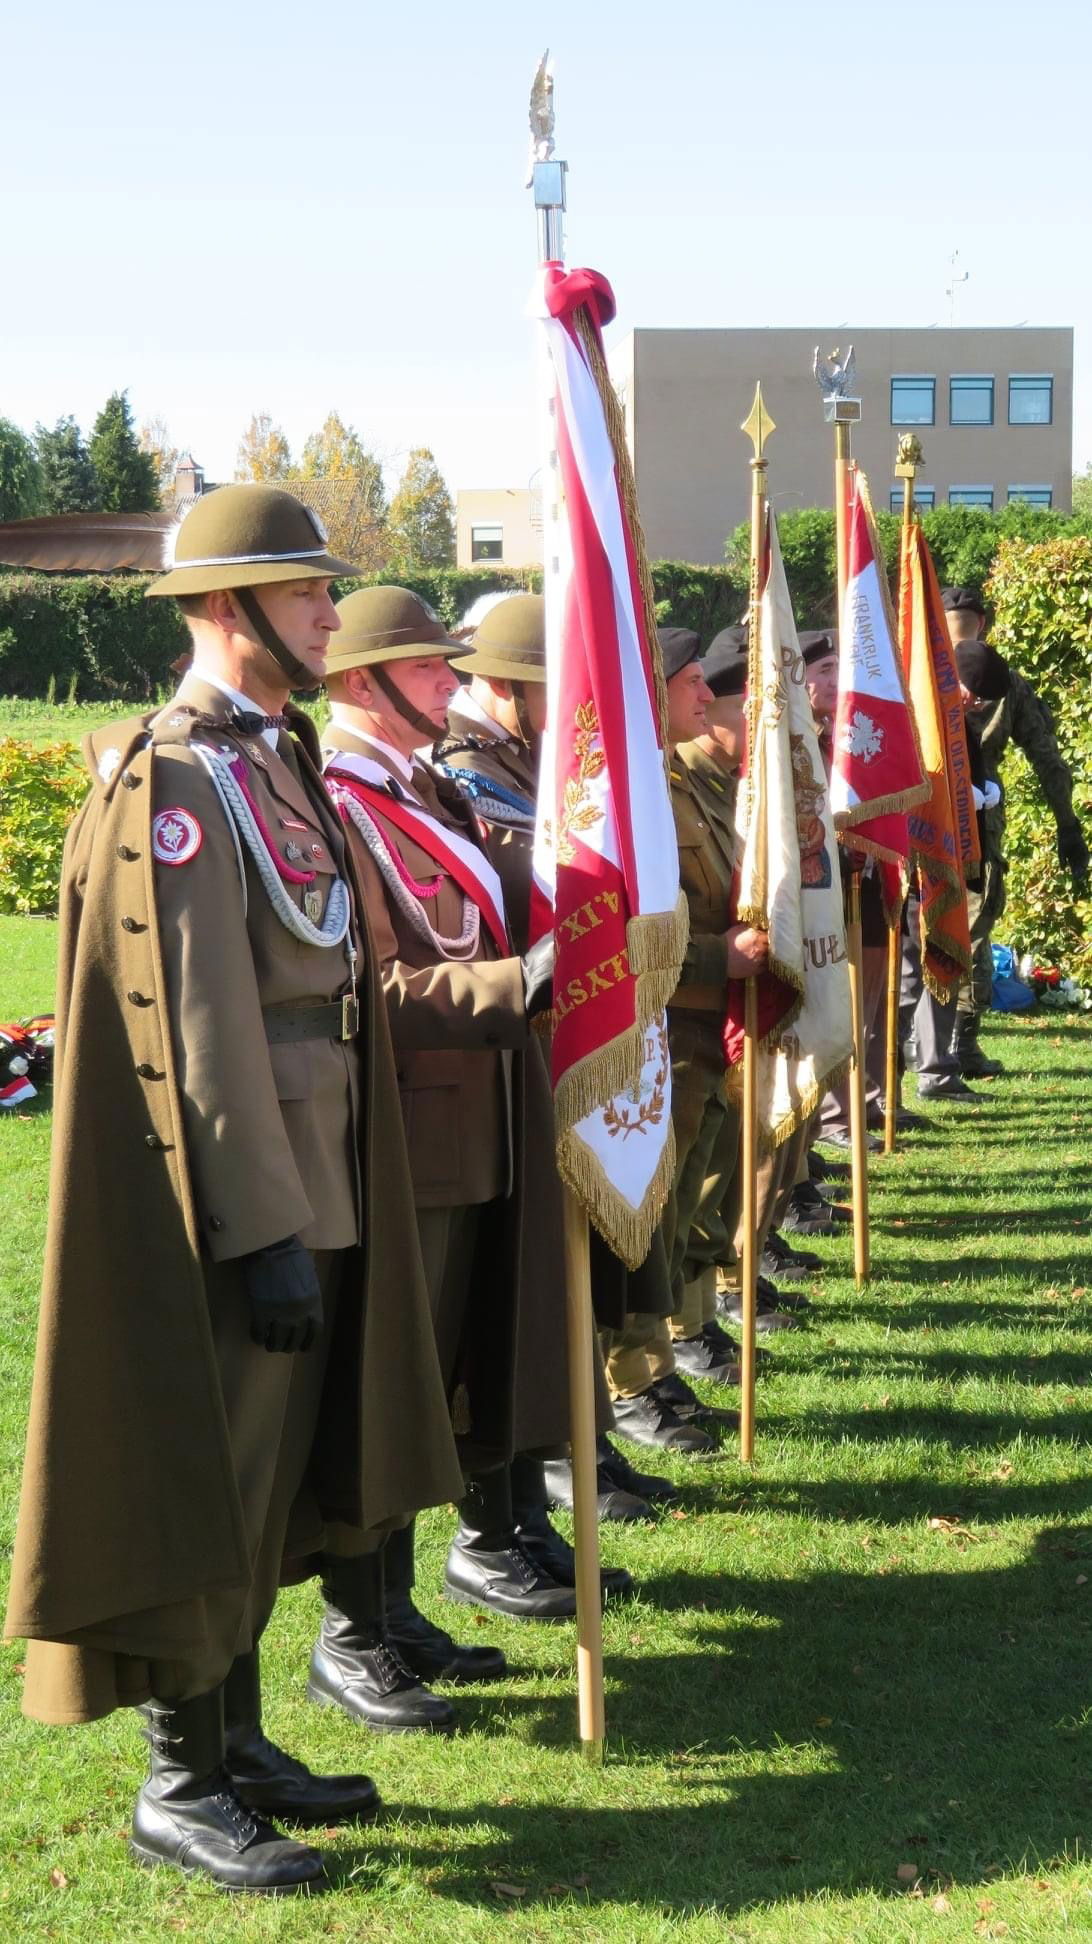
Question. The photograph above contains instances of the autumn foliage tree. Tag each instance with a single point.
(422, 517)
(263, 451)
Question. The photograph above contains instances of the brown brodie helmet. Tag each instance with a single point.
(245, 537)
(510, 646)
(389, 624)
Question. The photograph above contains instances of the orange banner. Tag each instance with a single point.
(943, 830)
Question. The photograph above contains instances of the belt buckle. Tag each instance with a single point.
(350, 1016)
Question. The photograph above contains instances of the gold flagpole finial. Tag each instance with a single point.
(908, 459)
(758, 425)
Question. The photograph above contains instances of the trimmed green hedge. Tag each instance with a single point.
(97, 638)
(1042, 601)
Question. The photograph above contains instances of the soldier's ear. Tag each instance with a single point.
(222, 610)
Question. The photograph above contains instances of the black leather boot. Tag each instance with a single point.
(973, 1063)
(613, 1499)
(546, 1546)
(489, 1566)
(353, 1665)
(267, 1779)
(428, 1650)
(188, 1815)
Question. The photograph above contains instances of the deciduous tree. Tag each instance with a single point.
(20, 478)
(422, 518)
(264, 452)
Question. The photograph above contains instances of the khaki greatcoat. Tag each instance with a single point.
(132, 1513)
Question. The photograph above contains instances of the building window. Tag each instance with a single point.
(913, 401)
(924, 498)
(1032, 495)
(971, 496)
(486, 542)
(970, 401)
(1031, 400)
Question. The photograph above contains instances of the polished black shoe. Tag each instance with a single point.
(697, 1356)
(506, 1581)
(355, 1669)
(649, 1419)
(646, 1485)
(779, 1260)
(430, 1652)
(686, 1403)
(769, 1316)
(188, 1816)
(949, 1087)
(273, 1783)
(554, 1555)
(820, 1168)
(612, 1501)
(841, 1138)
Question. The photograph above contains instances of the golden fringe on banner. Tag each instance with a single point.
(776, 1137)
(628, 1231)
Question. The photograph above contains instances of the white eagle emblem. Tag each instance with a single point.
(108, 763)
(862, 737)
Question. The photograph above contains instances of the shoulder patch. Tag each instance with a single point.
(176, 836)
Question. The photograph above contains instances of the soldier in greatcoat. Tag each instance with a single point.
(460, 1002)
(234, 1328)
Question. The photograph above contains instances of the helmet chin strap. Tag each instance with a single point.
(296, 671)
(523, 715)
(402, 705)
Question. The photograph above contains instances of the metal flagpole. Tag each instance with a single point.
(547, 179)
(758, 426)
(907, 462)
(834, 378)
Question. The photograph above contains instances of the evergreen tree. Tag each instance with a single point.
(127, 476)
(422, 517)
(69, 480)
(20, 478)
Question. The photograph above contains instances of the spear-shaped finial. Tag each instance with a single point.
(758, 425)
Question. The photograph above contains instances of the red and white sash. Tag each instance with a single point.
(454, 853)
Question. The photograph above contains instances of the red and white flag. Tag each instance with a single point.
(606, 857)
(877, 773)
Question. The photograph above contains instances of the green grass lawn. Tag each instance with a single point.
(37, 721)
(852, 1700)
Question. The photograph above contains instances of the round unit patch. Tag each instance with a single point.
(176, 837)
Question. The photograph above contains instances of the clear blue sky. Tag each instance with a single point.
(237, 207)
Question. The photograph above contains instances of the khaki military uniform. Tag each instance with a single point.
(498, 775)
(477, 1127)
(701, 1112)
(172, 1464)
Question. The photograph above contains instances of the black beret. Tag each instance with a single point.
(724, 663)
(982, 670)
(962, 600)
(816, 644)
(678, 648)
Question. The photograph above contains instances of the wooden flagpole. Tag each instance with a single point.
(908, 460)
(842, 412)
(548, 183)
(758, 426)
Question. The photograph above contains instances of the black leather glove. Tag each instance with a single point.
(285, 1298)
(1073, 854)
(538, 975)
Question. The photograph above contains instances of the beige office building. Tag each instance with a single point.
(993, 410)
(499, 526)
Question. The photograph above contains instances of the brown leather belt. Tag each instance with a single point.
(336, 1020)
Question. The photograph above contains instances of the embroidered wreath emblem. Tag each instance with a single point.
(649, 1098)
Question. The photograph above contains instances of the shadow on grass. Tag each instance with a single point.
(876, 1706)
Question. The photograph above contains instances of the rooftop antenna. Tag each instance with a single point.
(958, 277)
